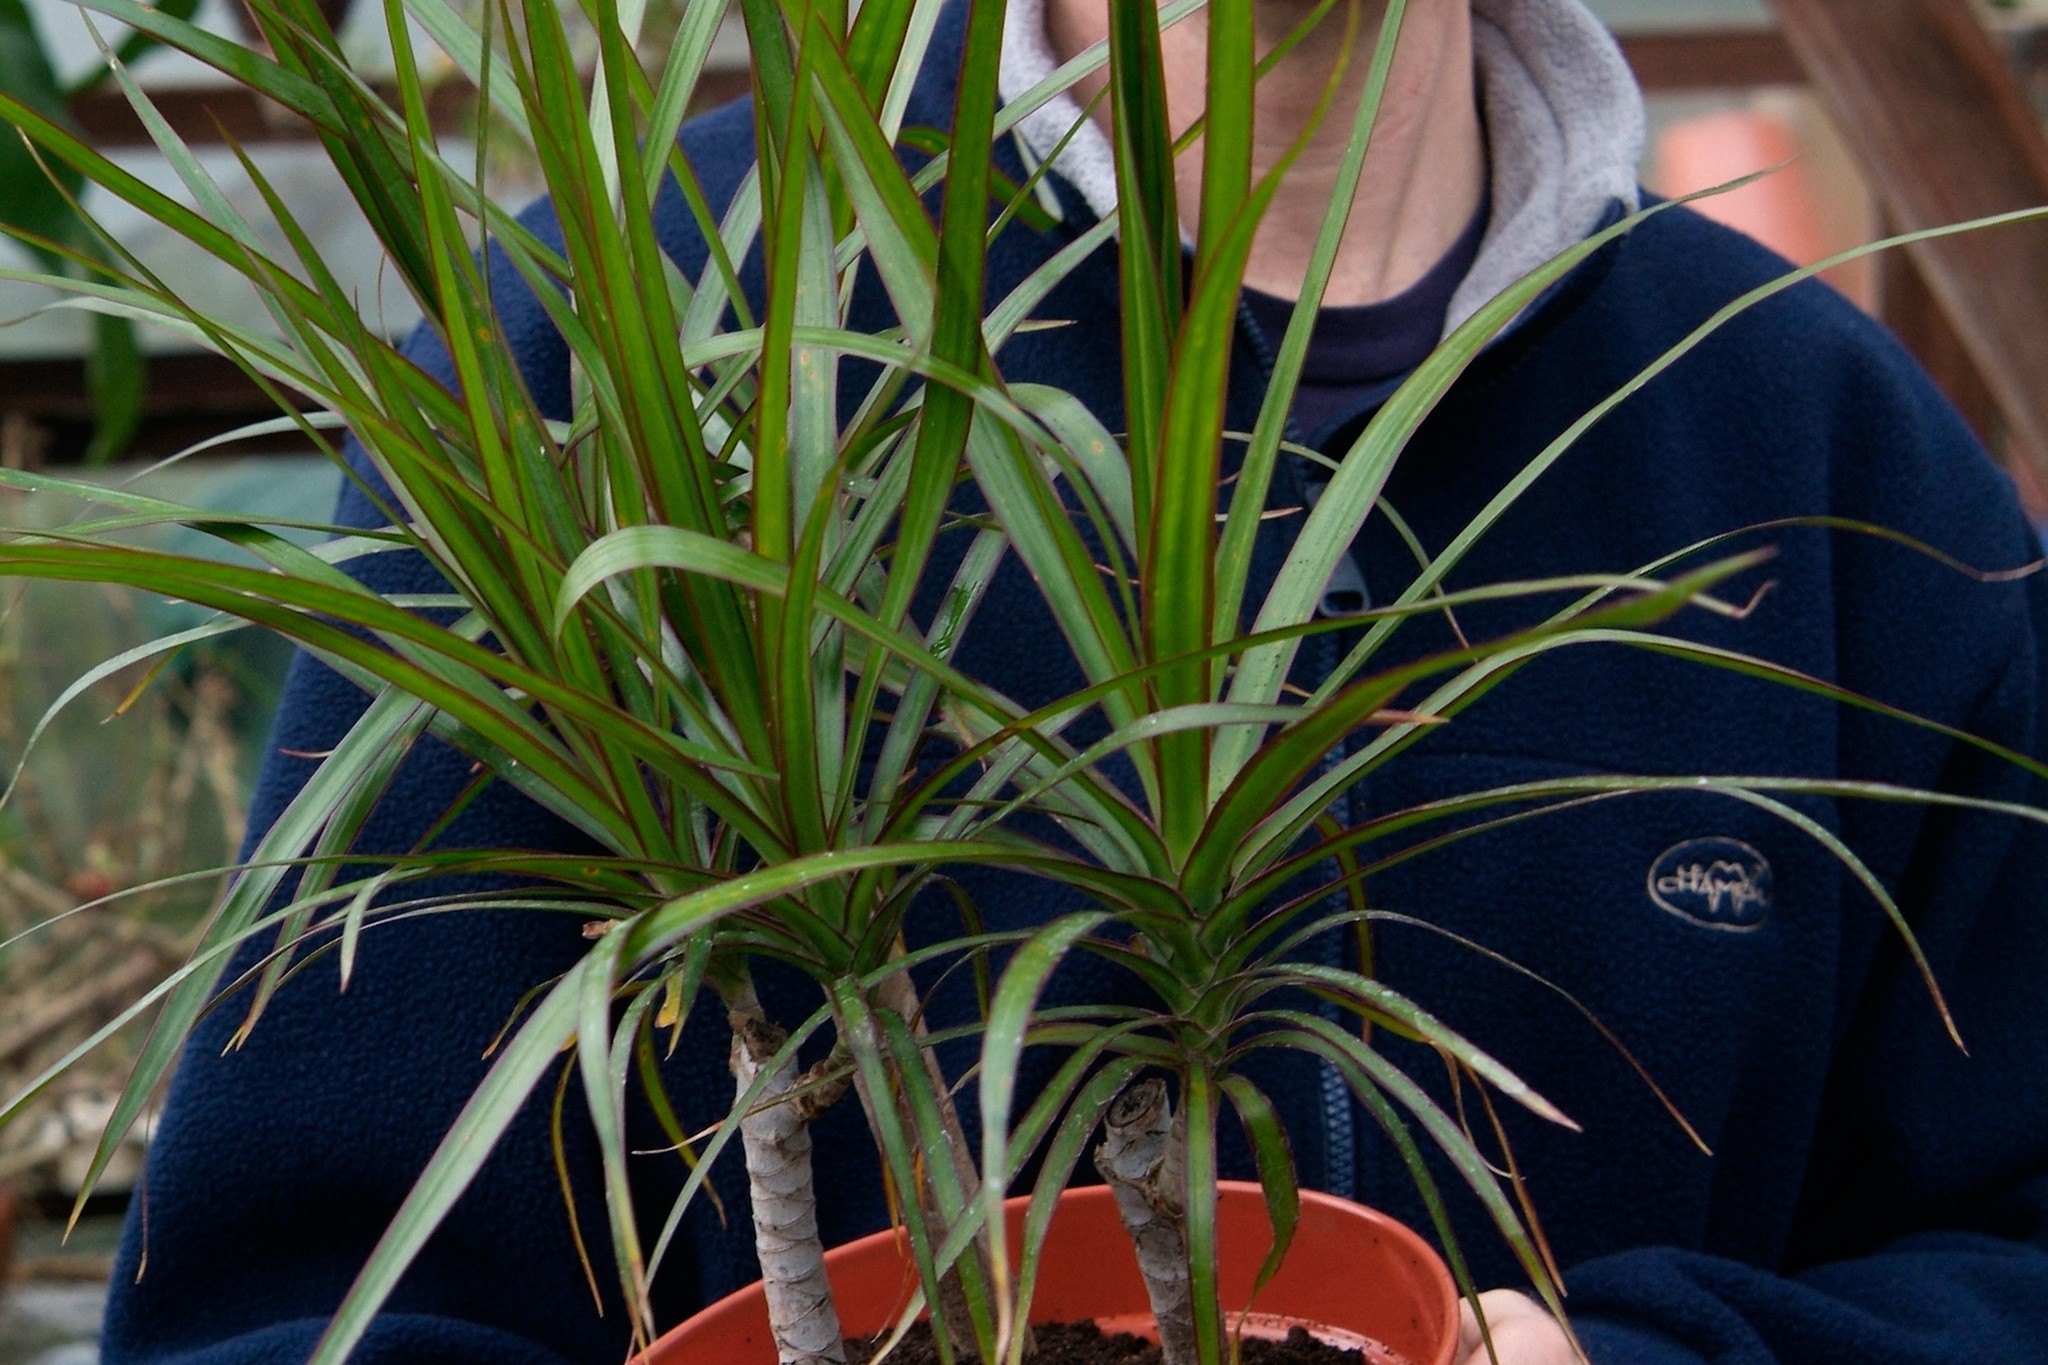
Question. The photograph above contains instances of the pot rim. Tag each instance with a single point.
(1374, 1225)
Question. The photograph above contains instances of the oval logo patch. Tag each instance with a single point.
(1717, 883)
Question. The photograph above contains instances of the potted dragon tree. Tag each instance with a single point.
(702, 598)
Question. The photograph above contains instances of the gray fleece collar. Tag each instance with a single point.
(1564, 128)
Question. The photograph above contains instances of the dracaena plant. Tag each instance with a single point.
(682, 622)
(672, 620)
(1228, 826)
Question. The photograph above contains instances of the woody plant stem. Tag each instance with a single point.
(1142, 1157)
(776, 1137)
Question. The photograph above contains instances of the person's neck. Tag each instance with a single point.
(1424, 175)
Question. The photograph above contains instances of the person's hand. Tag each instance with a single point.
(1523, 1331)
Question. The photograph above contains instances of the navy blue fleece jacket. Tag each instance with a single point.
(1873, 1195)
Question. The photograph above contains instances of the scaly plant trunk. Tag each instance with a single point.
(1143, 1157)
(776, 1136)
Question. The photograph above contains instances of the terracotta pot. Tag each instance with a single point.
(1351, 1275)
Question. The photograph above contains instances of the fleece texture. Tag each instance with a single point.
(1564, 128)
(1861, 1191)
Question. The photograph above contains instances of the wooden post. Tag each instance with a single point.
(1910, 309)
(1928, 104)
(1711, 59)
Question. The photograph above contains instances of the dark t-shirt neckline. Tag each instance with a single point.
(1357, 349)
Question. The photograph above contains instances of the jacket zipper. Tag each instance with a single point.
(1339, 1120)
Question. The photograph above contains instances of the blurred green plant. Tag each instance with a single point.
(39, 203)
(128, 803)
(168, 804)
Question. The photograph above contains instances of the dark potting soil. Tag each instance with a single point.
(1083, 1343)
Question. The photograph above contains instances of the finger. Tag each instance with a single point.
(1504, 1308)
(1523, 1334)
(1468, 1332)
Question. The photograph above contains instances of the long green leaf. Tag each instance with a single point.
(1267, 1137)
(1009, 1020)
(1488, 516)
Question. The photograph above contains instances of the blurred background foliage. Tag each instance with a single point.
(143, 777)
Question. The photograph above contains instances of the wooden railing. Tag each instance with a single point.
(1931, 109)
(1711, 59)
